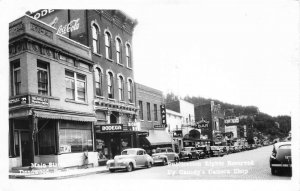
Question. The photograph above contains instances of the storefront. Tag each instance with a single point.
(194, 139)
(158, 138)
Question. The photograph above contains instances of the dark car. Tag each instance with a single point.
(232, 149)
(216, 151)
(193, 153)
(281, 158)
(184, 155)
(205, 149)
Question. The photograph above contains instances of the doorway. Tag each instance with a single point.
(26, 142)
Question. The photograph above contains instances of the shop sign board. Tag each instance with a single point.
(163, 114)
(177, 133)
(203, 124)
(18, 101)
(111, 127)
(159, 126)
(36, 100)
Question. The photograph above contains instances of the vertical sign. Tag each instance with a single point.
(163, 115)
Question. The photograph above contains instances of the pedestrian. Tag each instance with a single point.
(86, 158)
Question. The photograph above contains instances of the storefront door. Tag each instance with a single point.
(26, 148)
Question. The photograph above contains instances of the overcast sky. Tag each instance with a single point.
(239, 52)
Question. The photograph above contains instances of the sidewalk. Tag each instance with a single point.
(60, 173)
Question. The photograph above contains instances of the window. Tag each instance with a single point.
(121, 88)
(141, 110)
(75, 91)
(130, 91)
(42, 76)
(148, 112)
(46, 137)
(95, 35)
(16, 143)
(16, 78)
(155, 113)
(128, 56)
(119, 51)
(108, 45)
(98, 82)
(110, 85)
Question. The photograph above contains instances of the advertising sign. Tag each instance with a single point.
(163, 115)
(111, 127)
(159, 126)
(177, 133)
(203, 124)
(18, 101)
(36, 100)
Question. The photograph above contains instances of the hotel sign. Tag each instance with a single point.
(111, 127)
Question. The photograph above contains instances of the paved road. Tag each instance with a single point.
(247, 165)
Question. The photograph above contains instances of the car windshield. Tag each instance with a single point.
(161, 150)
(128, 152)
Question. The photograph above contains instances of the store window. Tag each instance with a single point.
(75, 86)
(96, 41)
(128, 56)
(75, 136)
(43, 76)
(121, 88)
(119, 50)
(16, 77)
(17, 143)
(130, 91)
(155, 113)
(110, 85)
(148, 112)
(46, 137)
(108, 51)
(141, 110)
(98, 82)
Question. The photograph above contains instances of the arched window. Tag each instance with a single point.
(128, 56)
(98, 82)
(119, 50)
(130, 91)
(95, 35)
(110, 83)
(121, 88)
(108, 45)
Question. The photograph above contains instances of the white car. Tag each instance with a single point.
(129, 160)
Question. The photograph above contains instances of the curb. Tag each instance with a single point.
(58, 177)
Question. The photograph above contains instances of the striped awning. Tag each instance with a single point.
(49, 115)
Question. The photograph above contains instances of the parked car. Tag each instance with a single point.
(194, 154)
(232, 149)
(164, 156)
(237, 148)
(184, 155)
(225, 149)
(205, 149)
(281, 157)
(129, 160)
(216, 151)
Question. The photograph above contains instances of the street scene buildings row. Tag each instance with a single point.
(72, 90)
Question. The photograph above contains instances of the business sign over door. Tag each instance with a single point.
(111, 127)
(163, 115)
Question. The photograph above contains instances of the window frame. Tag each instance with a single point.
(108, 44)
(100, 82)
(155, 112)
(121, 87)
(141, 112)
(75, 80)
(16, 84)
(148, 111)
(128, 55)
(110, 85)
(95, 38)
(118, 50)
(130, 90)
(39, 69)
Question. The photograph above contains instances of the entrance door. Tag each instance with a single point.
(26, 148)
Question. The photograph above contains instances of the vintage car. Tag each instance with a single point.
(281, 157)
(225, 149)
(204, 151)
(164, 156)
(184, 155)
(129, 160)
(194, 154)
(216, 151)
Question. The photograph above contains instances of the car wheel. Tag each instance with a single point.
(111, 170)
(165, 162)
(129, 167)
(149, 165)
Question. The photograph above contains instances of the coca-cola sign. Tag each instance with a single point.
(72, 26)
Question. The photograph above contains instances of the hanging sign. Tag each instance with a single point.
(163, 114)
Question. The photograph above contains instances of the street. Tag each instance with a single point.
(246, 165)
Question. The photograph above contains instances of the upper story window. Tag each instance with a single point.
(148, 112)
(110, 83)
(130, 91)
(98, 82)
(16, 77)
(108, 52)
(42, 77)
(141, 110)
(119, 50)
(128, 56)
(155, 112)
(121, 88)
(75, 86)
(96, 41)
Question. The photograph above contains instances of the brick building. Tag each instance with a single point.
(150, 102)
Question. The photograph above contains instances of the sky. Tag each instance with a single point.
(239, 52)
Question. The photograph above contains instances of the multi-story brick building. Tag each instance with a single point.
(150, 102)
(213, 115)
(50, 97)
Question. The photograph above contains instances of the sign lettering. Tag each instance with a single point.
(163, 115)
(42, 13)
(72, 26)
(110, 128)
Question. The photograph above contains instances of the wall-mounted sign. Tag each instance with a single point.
(42, 13)
(70, 27)
(163, 114)
(234, 120)
(203, 124)
(177, 133)
(18, 101)
(159, 126)
(39, 100)
(111, 127)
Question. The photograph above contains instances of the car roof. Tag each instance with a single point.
(276, 145)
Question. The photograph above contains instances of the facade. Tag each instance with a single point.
(214, 116)
(50, 97)
(108, 33)
(190, 134)
(150, 102)
(174, 121)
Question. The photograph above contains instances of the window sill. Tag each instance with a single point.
(130, 103)
(122, 101)
(97, 54)
(109, 59)
(111, 99)
(120, 64)
(77, 102)
(129, 68)
(100, 97)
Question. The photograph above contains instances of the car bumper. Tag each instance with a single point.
(156, 161)
(117, 166)
(281, 165)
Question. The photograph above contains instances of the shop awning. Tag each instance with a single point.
(159, 137)
(49, 115)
